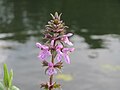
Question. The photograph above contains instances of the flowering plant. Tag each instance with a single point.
(56, 48)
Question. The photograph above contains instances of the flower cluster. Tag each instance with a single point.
(55, 47)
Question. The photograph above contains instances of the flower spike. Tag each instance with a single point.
(55, 48)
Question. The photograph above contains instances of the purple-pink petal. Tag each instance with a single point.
(65, 39)
(50, 64)
(44, 51)
(44, 54)
(59, 55)
(59, 47)
(65, 54)
(51, 70)
(41, 46)
(66, 50)
(38, 45)
(68, 35)
(67, 59)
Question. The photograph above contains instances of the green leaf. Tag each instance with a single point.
(1, 86)
(11, 78)
(56, 85)
(14, 88)
(6, 76)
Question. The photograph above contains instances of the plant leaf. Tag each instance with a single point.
(56, 85)
(10, 78)
(6, 76)
(1, 86)
(14, 88)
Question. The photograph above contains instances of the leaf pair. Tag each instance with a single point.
(7, 80)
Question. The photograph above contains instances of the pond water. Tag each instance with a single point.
(95, 63)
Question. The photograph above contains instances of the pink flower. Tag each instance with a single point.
(63, 52)
(51, 70)
(59, 53)
(45, 52)
(65, 39)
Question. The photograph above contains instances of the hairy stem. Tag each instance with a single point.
(51, 77)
